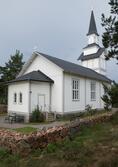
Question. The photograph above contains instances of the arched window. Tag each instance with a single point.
(20, 97)
(15, 98)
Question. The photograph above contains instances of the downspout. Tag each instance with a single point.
(85, 92)
(63, 92)
(50, 100)
(30, 98)
(100, 94)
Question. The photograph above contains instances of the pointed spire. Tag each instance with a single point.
(92, 26)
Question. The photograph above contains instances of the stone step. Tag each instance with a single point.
(50, 117)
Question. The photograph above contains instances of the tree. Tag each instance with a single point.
(110, 36)
(9, 72)
(106, 98)
(110, 97)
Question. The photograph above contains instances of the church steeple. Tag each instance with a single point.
(93, 55)
(93, 36)
(92, 26)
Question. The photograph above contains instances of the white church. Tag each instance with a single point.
(56, 85)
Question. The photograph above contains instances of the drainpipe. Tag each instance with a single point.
(50, 101)
(63, 92)
(85, 92)
(30, 97)
(100, 94)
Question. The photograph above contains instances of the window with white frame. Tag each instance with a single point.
(15, 98)
(75, 89)
(93, 90)
(20, 98)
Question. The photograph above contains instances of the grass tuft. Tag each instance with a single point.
(26, 130)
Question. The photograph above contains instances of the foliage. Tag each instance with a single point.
(9, 72)
(111, 96)
(37, 116)
(110, 36)
(106, 98)
(88, 108)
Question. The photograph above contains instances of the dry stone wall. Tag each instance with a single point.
(23, 144)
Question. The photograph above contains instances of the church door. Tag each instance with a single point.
(41, 102)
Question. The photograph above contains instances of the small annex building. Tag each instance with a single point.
(56, 85)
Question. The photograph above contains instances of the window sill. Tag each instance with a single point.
(20, 103)
(75, 100)
(93, 99)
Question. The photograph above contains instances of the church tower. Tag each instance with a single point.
(93, 55)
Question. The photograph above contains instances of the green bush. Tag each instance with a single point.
(37, 116)
(110, 97)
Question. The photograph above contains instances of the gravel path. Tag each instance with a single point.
(4, 124)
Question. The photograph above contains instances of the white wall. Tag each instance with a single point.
(92, 50)
(93, 38)
(56, 74)
(92, 64)
(17, 107)
(98, 65)
(85, 98)
(40, 88)
(98, 103)
(69, 104)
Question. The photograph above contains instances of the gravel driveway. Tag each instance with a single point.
(4, 124)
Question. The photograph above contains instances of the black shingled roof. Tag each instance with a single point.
(92, 26)
(91, 56)
(76, 69)
(33, 76)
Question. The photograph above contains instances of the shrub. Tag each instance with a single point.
(37, 116)
(88, 108)
(110, 97)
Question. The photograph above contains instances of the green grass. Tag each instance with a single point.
(92, 147)
(26, 130)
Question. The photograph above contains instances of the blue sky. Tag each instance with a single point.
(55, 27)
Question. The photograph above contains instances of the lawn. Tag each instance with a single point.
(25, 130)
(92, 147)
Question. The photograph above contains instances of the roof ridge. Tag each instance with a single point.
(48, 56)
(61, 59)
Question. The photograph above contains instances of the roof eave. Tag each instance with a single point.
(83, 76)
(92, 33)
(27, 80)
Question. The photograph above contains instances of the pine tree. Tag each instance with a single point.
(9, 72)
(110, 36)
(110, 97)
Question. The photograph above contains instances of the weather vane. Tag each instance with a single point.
(92, 5)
